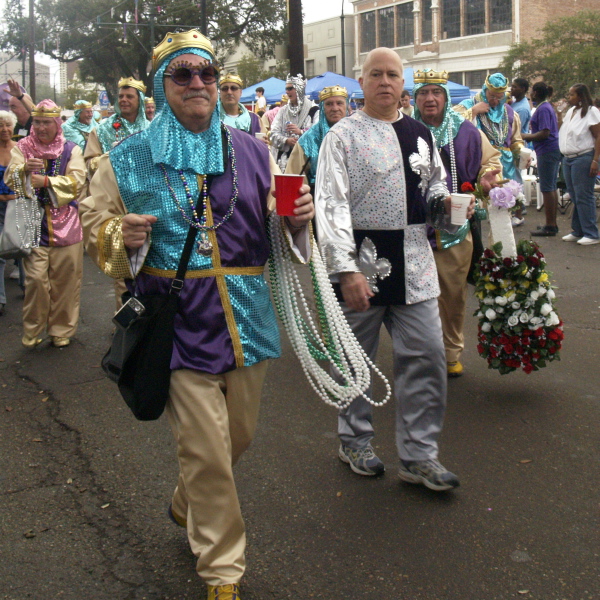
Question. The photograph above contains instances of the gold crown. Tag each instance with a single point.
(331, 91)
(149, 100)
(177, 41)
(231, 78)
(50, 112)
(428, 76)
(82, 104)
(495, 89)
(131, 82)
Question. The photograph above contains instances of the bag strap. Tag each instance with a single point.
(177, 283)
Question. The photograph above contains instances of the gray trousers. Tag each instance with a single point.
(420, 378)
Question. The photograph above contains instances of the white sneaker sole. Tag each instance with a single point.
(409, 477)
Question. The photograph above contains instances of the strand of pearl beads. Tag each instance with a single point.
(342, 348)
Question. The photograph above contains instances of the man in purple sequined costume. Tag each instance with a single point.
(225, 329)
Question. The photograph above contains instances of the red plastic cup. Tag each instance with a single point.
(287, 191)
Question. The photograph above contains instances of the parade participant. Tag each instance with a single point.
(225, 330)
(379, 180)
(129, 118)
(150, 108)
(78, 128)
(232, 111)
(468, 157)
(333, 106)
(45, 166)
(500, 123)
(268, 118)
(292, 120)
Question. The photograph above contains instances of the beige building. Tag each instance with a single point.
(467, 38)
(323, 47)
(12, 68)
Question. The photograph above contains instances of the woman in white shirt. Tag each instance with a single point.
(579, 142)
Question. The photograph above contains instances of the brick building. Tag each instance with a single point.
(467, 38)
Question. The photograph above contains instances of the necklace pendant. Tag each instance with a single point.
(204, 246)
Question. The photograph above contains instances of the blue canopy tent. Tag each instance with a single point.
(458, 92)
(274, 89)
(316, 84)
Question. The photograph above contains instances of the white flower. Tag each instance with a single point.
(546, 309)
(486, 327)
(551, 294)
(489, 301)
(527, 303)
(535, 320)
(534, 295)
(552, 319)
(501, 300)
(512, 297)
(524, 318)
(512, 321)
(541, 290)
(528, 275)
(479, 315)
(490, 313)
(515, 305)
(499, 309)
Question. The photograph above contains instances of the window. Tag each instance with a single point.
(332, 64)
(426, 22)
(386, 27)
(331, 33)
(501, 15)
(456, 77)
(309, 38)
(367, 31)
(475, 79)
(405, 29)
(475, 17)
(450, 19)
(310, 68)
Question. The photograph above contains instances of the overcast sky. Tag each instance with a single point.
(317, 10)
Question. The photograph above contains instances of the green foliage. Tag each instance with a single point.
(250, 69)
(79, 90)
(567, 52)
(104, 34)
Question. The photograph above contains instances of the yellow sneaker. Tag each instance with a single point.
(29, 342)
(60, 342)
(229, 591)
(455, 369)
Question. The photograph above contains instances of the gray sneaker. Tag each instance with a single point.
(430, 473)
(362, 461)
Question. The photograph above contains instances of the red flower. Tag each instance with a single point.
(508, 348)
(116, 124)
(528, 368)
(503, 339)
(520, 258)
(480, 348)
(539, 332)
(553, 335)
(493, 352)
(527, 332)
(534, 261)
(488, 253)
(467, 187)
(542, 343)
(553, 349)
(507, 262)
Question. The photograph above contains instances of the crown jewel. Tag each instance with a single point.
(176, 41)
(46, 111)
(332, 90)
(427, 76)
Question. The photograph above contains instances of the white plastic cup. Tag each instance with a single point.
(459, 207)
(524, 157)
(259, 136)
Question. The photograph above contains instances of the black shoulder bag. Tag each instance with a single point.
(139, 358)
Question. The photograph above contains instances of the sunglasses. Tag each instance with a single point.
(227, 88)
(289, 89)
(184, 75)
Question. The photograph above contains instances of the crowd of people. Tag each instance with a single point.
(193, 160)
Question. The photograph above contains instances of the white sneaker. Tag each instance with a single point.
(515, 221)
(585, 241)
(14, 274)
(570, 238)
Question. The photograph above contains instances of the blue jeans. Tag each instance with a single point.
(581, 189)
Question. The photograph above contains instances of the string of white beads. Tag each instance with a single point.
(333, 341)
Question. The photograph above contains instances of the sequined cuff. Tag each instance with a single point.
(340, 259)
(436, 211)
(62, 190)
(515, 147)
(112, 254)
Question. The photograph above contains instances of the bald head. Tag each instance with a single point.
(382, 82)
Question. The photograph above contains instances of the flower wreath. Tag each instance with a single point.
(518, 325)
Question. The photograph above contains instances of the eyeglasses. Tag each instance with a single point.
(232, 88)
(289, 89)
(184, 75)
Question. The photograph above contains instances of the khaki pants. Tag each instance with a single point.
(453, 267)
(52, 289)
(213, 418)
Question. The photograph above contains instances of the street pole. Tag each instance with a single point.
(31, 51)
(296, 41)
(203, 20)
(343, 43)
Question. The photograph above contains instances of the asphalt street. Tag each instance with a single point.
(84, 487)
